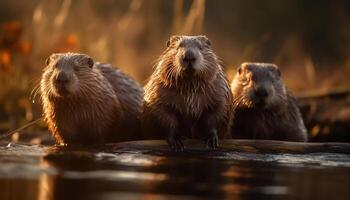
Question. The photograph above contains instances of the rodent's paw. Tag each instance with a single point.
(175, 143)
(213, 140)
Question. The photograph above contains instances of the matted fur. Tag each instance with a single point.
(99, 102)
(278, 119)
(176, 100)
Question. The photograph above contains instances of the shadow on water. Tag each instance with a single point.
(39, 172)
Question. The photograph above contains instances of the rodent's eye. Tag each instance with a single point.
(273, 77)
(275, 80)
(245, 80)
(76, 68)
(254, 77)
(200, 47)
(249, 78)
(181, 44)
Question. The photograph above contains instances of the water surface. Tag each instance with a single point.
(43, 172)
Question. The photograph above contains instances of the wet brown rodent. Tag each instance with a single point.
(89, 103)
(263, 107)
(187, 94)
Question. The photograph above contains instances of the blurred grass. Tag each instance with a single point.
(309, 40)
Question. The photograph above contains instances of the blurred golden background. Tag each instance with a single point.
(308, 40)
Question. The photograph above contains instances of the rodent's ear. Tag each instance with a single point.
(90, 62)
(84, 59)
(242, 67)
(278, 72)
(239, 70)
(168, 43)
(172, 40)
(48, 60)
(205, 39)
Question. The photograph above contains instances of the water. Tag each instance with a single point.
(42, 172)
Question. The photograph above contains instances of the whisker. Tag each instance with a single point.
(34, 93)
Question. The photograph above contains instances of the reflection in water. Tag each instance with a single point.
(95, 174)
(18, 189)
(45, 187)
(131, 159)
(116, 175)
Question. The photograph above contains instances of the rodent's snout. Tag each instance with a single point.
(261, 92)
(62, 78)
(188, 59)
(61, 82)
(259, 95)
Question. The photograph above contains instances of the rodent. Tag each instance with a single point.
(263, 107)
(187, 94)
(89, 103)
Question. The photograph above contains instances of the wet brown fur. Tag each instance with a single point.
(104, 105)
(278, 119)
(188, 103)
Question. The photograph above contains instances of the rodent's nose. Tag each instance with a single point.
(261, 92)
(62, 78)
(189, 57)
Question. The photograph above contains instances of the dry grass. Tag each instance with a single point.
(130, 35)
